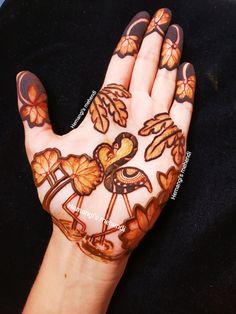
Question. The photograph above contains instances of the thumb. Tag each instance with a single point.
(33, 109)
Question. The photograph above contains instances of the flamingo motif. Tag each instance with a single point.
(120, 181)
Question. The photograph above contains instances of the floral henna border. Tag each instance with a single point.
(132, 36)
(108, 101)
(167, 134)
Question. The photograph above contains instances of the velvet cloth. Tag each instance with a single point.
(186, 264)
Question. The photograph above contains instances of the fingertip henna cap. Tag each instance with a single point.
(186, 83)
(132, 37)
(172, 48)
(32, 99)
(159, 22)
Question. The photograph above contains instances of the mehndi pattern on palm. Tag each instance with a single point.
(84, 174)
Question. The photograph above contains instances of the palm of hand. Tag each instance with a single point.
(105, 193)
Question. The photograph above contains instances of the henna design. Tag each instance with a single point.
(33, 97)
(117, 181)
(186, 82)
(145, 217)
(132, 36)
(108, 101)
(172, 48)
(85, 174)
(167, 135)
(82, 172)
(159, 22)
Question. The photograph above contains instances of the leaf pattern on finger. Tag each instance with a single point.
(172, 48)
(108, 101)
(159, 22)
(127, 46)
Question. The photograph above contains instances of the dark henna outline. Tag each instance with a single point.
(108, 100)
(132, 36)
(186, 80)
(173, 41)
(25, 81)
(159, 22)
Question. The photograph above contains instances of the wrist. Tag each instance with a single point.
(82, 285)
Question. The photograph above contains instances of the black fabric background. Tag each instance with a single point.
(186, 264)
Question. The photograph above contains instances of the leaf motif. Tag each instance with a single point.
(118, 90)
(160, 142)
(156, 125)
(84, 171)
(178, 150)
(185, 90)
(43, 164)
(98, 114)
(159, 22)
(142, 218)
(116, 107)
(128, 45)
(118, 111)
(170, 55)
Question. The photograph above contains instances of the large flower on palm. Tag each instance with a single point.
(84, 172)
(44, 163)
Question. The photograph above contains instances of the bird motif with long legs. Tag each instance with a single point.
(120, 181)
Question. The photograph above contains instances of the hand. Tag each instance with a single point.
(106, 182)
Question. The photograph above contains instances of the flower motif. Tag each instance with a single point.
(145, 217)
(35, 110)
(185, 89)
(128, 45)
(84, 171)
(43, 164)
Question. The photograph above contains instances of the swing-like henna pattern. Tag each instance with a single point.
(172, 48)
(167, 135)
(159, 22)
(109, 101)
(33, 97)
(132, 36)
(186, 82)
